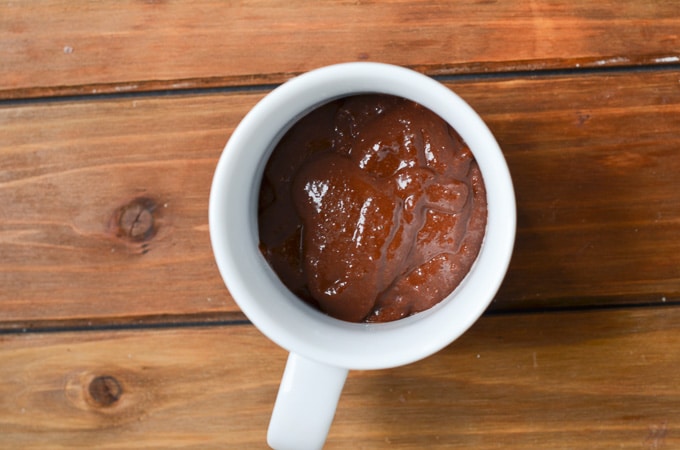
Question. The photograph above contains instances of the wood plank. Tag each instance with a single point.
(85, 47)
(69, 173)
(598, 379)
(594, 161)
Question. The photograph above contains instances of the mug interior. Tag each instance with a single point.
(276, 311)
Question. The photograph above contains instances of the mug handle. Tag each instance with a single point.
(305, 405)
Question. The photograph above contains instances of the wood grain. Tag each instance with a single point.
(69, 170)
(594, 161)
(599, 379)
(53, 47)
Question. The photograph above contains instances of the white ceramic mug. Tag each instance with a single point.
(323, 349)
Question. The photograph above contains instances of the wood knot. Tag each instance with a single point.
(105, 390)
(135, 220)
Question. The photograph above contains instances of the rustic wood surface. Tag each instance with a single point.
(54, 48)
(596, 380)
(116, 330)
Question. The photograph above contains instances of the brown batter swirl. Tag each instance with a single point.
(372, 208)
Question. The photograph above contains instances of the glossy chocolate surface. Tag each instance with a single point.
(372, 208)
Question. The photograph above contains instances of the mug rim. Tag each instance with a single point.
(277, 312)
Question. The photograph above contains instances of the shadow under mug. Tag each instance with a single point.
(323, 349)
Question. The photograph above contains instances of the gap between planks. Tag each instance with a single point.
(223, 85)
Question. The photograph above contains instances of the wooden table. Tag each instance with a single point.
(116, 330)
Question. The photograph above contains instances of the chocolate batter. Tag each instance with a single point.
(372, 208)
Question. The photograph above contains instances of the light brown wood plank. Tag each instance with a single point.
(594, 161)
(599, 379)
(59, 48)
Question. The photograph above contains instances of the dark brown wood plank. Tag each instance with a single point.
(594, 161)
(64, 48)
(597, 380)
